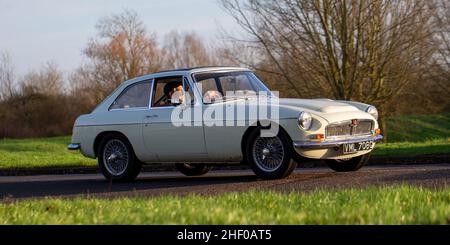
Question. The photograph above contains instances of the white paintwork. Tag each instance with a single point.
(155, 139)
(171, 143)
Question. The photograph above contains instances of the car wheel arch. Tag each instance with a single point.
(102, 135)
(250, 129)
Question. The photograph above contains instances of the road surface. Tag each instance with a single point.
(216, 182)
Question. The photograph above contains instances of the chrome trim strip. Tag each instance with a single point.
(73, 147)
(346, 137)
(331, 144)
(130, 109)
(134, 124)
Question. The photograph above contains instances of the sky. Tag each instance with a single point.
(34, 32)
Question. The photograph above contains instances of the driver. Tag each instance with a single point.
(174, 88)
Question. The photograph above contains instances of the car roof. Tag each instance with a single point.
(203, 68)
(185, 71)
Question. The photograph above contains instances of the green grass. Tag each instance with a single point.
(416, 135)
(418, 128)
(52, 152)
(408, 135)
(435, 146)
(42, 152)
(385, 205)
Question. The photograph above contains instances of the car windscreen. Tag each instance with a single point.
(222, 86)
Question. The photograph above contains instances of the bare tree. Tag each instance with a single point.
(441, 69)
(37, 106)
(428, 92)
(7, 77)
(47, 81)
(121, 50)
(186, 50)
(339, 46)
(352, 50)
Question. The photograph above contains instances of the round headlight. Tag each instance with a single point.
(372, 111)
(305, 120)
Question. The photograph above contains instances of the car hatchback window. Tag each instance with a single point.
(135, 96)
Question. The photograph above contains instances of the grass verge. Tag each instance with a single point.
(435, 146)
(40, 152)
(52, 152)
(418, 128)
(408, 136)
(382, 205)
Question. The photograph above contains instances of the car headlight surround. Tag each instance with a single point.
(305, 120)
(372, 110)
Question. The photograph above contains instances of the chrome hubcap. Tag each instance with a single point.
(268, 153)
(115, 157)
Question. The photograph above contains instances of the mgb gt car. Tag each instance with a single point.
(195, 118)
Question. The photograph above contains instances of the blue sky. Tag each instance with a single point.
(36, 31)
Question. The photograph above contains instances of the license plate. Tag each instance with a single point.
(349, 148)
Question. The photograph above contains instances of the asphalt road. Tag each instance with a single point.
(216, 182)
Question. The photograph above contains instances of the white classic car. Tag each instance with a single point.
(199, 117)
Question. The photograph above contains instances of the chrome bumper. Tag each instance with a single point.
(73, 147)
(335, 143)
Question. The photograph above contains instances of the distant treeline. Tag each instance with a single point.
(393, 54)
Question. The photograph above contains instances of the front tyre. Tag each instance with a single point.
(348, 165)
(117, 160)
(270, 157)
(192, 169)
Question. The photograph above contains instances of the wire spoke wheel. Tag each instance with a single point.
(116, 157)
(268, 153)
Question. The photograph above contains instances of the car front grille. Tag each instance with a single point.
(349, 128)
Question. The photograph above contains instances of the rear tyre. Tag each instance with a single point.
(192, 169)
(270, 157)
(348, 165)
(117, 160)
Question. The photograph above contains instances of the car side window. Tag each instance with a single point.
(165, 88)
(135, 96)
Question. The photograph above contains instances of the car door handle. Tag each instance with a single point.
(151, 116)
